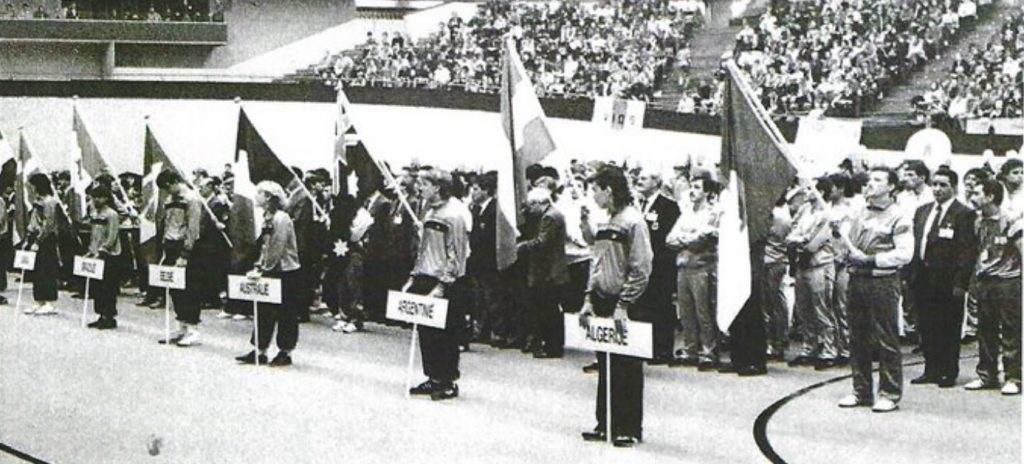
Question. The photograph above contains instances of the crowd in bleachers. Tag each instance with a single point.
(838, 55)
(620, 47)
(124, 10)
(984, 82)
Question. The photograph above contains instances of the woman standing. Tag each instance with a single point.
(279, 259)
(42, 239)
(105, 244)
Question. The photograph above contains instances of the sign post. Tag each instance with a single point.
(90, 268)
(26, 261)
(167, 277)
(257, 290)
(600, 335)
(416, 309)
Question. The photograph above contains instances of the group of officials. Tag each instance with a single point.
(874, 253)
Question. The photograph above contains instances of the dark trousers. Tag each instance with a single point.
(574, 293)
(47, 270)
(489, 305)
(104, 291)
(999, 326)
(282, 318)
(939, 320)
(439, 348)
(6, 258)
(550, 328)
(874, 311)
(186, 302)
(627, 385)
(656, 308)
(747, 338)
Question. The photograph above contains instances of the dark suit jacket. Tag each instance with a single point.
(546, 262)
(660, 218)
(300, 209)
(483, 240)
(948, 258)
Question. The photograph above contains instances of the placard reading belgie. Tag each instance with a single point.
(167, 277)
(417, 309)
(89, 267)
(25, 260)
(262, 290)
(602, 336)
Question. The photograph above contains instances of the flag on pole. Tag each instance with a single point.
(8, 164)
(759, 169)
(530, 141)
(27, 166)
(245, 221)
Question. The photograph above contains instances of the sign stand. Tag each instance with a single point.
(167, 277)
(412, 360)
(256, 290)
(608, 397)
(85, 300)
(26, 261)
(21, 287)
(167, 315)
(256, 329)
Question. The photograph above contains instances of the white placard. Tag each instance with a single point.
(417, 309)
(262, 290)
(89, 267)
(619, 114)
(25, 260)
(601, 336)
(167, 277)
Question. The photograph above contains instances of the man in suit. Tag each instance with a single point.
(940, 271)
(546, 272)
(482, 265)
(660, 214)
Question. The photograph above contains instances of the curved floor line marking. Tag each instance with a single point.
(20, 455)
(761, 423)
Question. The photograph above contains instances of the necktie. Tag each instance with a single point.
(933, 232)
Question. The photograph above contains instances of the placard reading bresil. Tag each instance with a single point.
(602, 336)
(417, 309)
(261, 290)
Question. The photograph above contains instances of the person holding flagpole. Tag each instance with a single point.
(41, 238)
(622, 267)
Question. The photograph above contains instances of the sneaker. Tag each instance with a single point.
(852, 401)
(250, 358)
(590, 368)
(45, 309)
(350, 328)
(282, 359)
(224, 315)
(884, 405)
(445, 392)
(339, 326)
(239, 317)
(174, 339)
(424, 388)
(1010, 388)
(336, 317)
(95, 324)
(190, 338)
(978, 384)
(595, 435)
(30, 309)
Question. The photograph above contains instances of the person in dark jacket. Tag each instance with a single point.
(546, 272)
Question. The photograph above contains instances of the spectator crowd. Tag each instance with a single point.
(122, 10)
(623, 48)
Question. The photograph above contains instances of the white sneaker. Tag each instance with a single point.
(978, 384)
(350, 328)
(1010, 388)
(339, 326)
(176, 336)
(239, 317)
(851, 401)
(45, 309)
(191, 338)
(31, 309)
(884, 405)
(337, 317)
(224, 315)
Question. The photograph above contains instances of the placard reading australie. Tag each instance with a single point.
(262, 290)
(25, 260)
(89, 267)
(167, 277)
(417, 309)
(601, 336)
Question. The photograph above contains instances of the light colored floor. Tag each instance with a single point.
(71, 394)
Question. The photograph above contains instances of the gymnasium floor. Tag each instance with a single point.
(75, 395)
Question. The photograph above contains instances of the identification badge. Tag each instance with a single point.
(651, 217)
(946, 233)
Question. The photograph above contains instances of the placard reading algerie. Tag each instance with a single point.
(417, 309)
(89, 267)
(602, 336)
(261, 290)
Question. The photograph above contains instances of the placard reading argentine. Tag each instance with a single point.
(167, 276)
(601, 336)
(417, 309)
(89, 267)
(262, 290)
(24, 259)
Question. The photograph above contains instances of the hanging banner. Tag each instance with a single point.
(619, 114)
(822, 143)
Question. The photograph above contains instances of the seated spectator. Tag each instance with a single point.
(8, 12)
(26, 12)
(153, 16)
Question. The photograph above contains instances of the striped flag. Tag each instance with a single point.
(27, 166)
(759, 169)
(8, 164)
(523, 121)
(245, 221)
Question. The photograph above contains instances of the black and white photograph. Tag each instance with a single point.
(511, 231)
